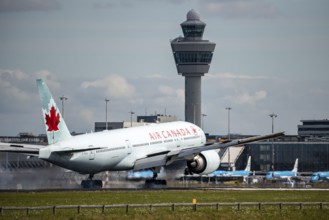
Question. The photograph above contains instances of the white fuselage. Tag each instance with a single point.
(119, 149)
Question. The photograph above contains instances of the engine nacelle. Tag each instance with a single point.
(204, 163)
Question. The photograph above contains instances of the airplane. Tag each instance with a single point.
(318, 176)
(238, 173)
(137, 148)
(283, 175)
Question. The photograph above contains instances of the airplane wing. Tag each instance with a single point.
(20, 148)
(189, 153)
(34, 149)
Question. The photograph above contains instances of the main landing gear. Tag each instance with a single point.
(155, 181)
(91, 184)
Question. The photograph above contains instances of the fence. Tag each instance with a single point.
(171, 206)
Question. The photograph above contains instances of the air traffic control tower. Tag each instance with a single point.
(192, 57)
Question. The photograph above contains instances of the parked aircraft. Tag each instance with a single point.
(140, 175)
(283, 175)
(318, 176)
(136, 148)
(237, 173)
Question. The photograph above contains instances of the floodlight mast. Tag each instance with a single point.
(273, 151)
(63, 98)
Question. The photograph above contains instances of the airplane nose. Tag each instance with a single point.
(315, 178)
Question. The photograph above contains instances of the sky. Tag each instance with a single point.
(271, 56)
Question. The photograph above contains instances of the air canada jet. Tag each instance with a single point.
(283, 175)
(137, 148)
(237, 173)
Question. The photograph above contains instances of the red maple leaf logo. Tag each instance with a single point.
(52, 120)
(195, 132)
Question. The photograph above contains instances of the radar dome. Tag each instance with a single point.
(192, 15)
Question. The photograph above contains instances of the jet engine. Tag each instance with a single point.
(204, 163)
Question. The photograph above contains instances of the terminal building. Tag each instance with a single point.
(310, 146)
(314, 130)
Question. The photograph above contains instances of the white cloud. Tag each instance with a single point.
(17, 74)
(114, 85)
(18, 89)
(247, 98)
(50, 79)
(212, 76)
(9, 89)
(87, 115)
(166, 90)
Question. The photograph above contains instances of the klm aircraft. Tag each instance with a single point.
(137, 148)
(140, 175)
(320, 176)
(238, 173)
(283, 175)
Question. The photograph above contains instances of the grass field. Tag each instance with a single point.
(29, 199)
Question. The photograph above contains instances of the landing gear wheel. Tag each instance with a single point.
(156, 182)
(187, 171)
(91, 184)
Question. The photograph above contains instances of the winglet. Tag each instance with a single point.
(55, 125)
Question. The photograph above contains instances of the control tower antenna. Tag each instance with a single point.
(192, 56)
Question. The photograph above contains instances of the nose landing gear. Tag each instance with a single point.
(91, 184)
(155, 181)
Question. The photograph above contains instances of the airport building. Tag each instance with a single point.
(314, 130)
(310, 146)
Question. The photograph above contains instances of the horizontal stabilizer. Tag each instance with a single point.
(76, 150)
(12, 149)
(20, 148)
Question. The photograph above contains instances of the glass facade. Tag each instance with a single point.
(313, 156)
(193, 30)
(193, 57)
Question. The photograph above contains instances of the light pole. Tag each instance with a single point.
(106, 101)
(63, 98)
(228, 135)
(203, 115)
(273, 152)
(228, 121)
(131, 118)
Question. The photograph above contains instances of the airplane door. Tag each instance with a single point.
(128, 145)
(92, 153)
(178, 142)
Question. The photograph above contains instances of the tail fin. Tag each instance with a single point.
(248, 164)
(295, 169)
(55, 125)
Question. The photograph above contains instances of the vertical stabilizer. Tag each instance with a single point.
(295, 169)
(248, 164)
(56, 128)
